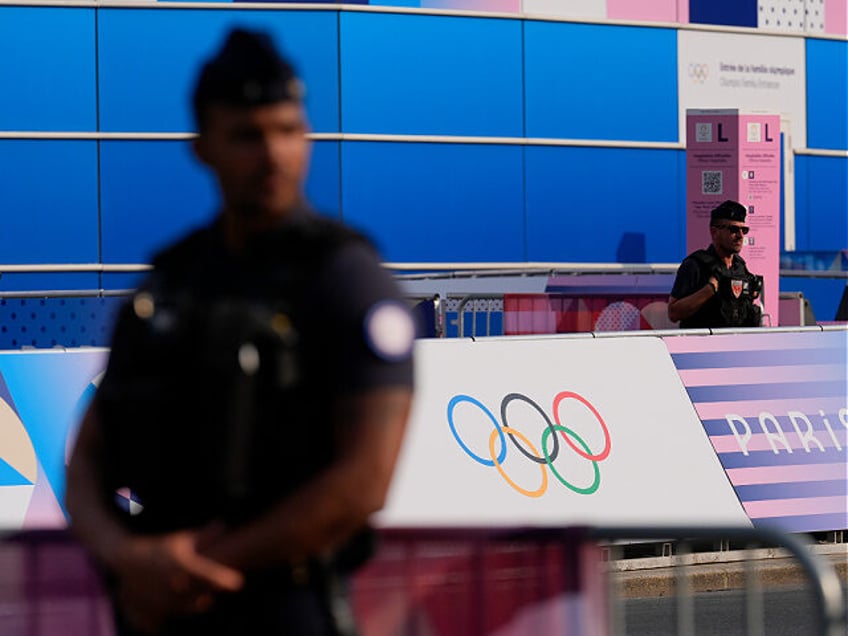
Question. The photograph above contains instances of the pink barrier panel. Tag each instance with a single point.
(455, 583)
(445, 582)
(47, 587)
(553, 313)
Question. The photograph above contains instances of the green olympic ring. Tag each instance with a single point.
(580, 491)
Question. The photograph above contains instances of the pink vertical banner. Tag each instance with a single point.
(712, 166)
(759, 191)
(736, 155)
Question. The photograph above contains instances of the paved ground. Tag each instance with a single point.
(729, 570)
(721, 593)
(789, 612)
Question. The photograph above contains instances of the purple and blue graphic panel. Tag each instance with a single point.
(775, 407)
(42, 397)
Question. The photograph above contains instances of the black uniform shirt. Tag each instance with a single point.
(187, 426)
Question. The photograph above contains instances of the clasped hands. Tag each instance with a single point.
(165, 576)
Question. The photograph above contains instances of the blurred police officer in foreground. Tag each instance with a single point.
(256, 393)
(713, 287)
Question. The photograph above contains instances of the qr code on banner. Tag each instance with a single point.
(711, 182)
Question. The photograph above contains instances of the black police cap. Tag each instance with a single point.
(730, 210)
(247, 71)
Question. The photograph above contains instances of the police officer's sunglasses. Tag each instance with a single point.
(733, 228)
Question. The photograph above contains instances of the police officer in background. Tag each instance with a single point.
(256, 394)
(713, 287)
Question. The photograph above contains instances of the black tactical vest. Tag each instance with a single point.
(217, 404)
(733, 304)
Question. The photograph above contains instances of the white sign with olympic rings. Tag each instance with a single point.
(742, 71)
(555, 431)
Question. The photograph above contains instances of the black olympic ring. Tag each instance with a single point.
(518, 396)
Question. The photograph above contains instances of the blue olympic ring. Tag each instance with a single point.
(467, 398)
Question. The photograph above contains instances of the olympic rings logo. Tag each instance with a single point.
(545, 458)
(699, 72)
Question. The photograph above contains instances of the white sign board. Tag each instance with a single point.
(565, 431)
(745, 72)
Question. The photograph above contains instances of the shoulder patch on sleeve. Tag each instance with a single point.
(390, 330)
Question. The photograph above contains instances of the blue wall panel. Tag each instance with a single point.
(604, 205)
(149, 60)
(400, 74)
(436, 202)
(47, 69)
(152, 192)
(823, 294)
(827, 202)
(827, 94)
(121, 280)
(323, 187)
(50, 322)
(601, 82)
(802, 204)
(48, 281)
(48, 201)
(730, 12)
(416, 74)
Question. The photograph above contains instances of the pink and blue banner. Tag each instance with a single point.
(775, 409)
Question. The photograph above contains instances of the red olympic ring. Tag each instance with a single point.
(607, 441)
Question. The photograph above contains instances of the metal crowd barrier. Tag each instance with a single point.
(454, 299)
(830, 617)
(465, 582)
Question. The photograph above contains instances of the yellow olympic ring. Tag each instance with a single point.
(523, 438)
